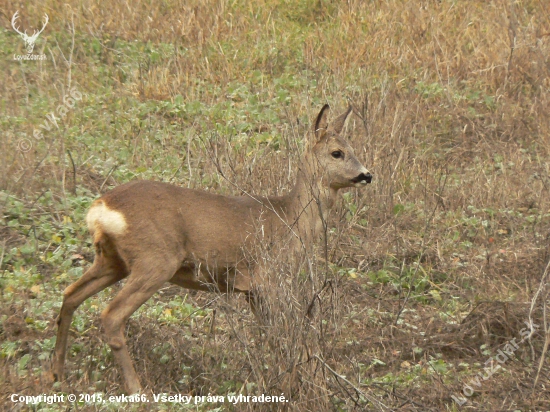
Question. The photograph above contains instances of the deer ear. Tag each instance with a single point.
(338, 124)
(321, 124)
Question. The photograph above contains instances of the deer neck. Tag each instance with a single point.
(309, 203)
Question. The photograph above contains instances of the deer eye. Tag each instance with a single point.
(337, 154)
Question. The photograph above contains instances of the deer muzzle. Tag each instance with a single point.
(362, 179)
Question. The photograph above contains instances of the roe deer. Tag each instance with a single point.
(153, 232)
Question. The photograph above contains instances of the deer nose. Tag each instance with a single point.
(367, 177)
(363, 178)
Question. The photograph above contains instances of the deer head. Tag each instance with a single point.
(29, 40)
(333, 158)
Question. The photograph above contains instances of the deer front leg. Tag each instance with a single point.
(259, 306)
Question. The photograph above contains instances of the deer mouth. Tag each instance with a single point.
(363, 179)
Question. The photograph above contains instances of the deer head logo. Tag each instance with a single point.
(29, 40)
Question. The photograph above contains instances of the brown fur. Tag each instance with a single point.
(153, 232)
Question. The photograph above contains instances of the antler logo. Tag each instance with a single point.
(29, 40)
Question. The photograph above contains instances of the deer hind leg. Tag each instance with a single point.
(106, 270)
(145, 279)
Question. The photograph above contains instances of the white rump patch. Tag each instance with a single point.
(106, 220)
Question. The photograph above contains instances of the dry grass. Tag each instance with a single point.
(430, 270)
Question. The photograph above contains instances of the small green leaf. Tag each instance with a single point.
(398, 209)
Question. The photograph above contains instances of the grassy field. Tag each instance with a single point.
(433, 270)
